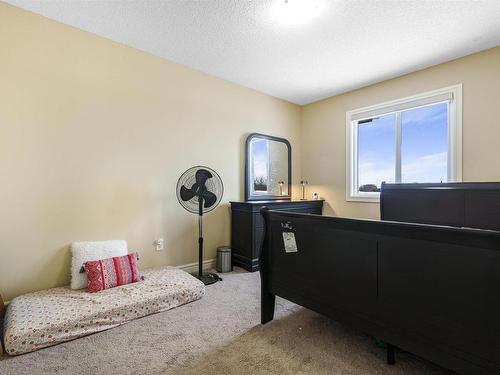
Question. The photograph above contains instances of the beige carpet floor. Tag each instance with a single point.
(221, 334)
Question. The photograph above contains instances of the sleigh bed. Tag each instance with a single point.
(425, 279)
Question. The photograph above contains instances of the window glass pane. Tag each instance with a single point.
(376, 152)
(260, 154)
(424, 144)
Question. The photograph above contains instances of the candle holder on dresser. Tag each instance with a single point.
(303, 184)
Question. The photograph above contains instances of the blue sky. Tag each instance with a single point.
(423, 150)
(260, 158)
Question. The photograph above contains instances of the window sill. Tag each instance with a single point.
(363, 199)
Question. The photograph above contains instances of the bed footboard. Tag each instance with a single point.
(431, 290)
(267, 298)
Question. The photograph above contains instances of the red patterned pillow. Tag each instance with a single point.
(111, 272)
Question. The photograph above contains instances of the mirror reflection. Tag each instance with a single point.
(268, 163)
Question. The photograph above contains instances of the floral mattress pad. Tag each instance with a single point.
(37, 320)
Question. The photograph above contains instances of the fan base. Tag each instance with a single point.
(208, 278)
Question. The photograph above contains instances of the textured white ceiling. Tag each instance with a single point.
(343, 46)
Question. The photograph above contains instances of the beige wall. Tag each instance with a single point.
(93, 137)
(94, 134)
(323, 126)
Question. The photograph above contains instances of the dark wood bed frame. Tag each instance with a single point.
(429, 289)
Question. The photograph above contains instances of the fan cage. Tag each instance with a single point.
(213, 184)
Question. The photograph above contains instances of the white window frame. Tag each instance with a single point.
(454, 98)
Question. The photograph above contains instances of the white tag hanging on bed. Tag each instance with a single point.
(289, 241)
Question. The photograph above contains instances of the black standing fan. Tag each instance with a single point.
(200, 190)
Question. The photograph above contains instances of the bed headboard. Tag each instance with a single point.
(460, 204)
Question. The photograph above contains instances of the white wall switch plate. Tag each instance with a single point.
(159, 244)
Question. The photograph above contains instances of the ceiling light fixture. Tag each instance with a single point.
(294, 12)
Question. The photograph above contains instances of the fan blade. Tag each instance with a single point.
(202, 175)
(209, 198)
(186, 194)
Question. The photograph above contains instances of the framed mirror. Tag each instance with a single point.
(268, 169)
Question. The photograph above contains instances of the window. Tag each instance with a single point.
(260, 160)
(416, 139)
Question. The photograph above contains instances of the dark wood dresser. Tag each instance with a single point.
(247, 227)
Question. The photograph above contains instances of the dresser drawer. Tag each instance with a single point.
(247, 230)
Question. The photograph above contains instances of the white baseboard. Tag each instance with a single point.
(193, 267)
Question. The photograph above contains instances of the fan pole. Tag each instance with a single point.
(200, 238)
(193, 185)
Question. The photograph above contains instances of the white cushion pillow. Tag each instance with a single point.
(85, 251)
